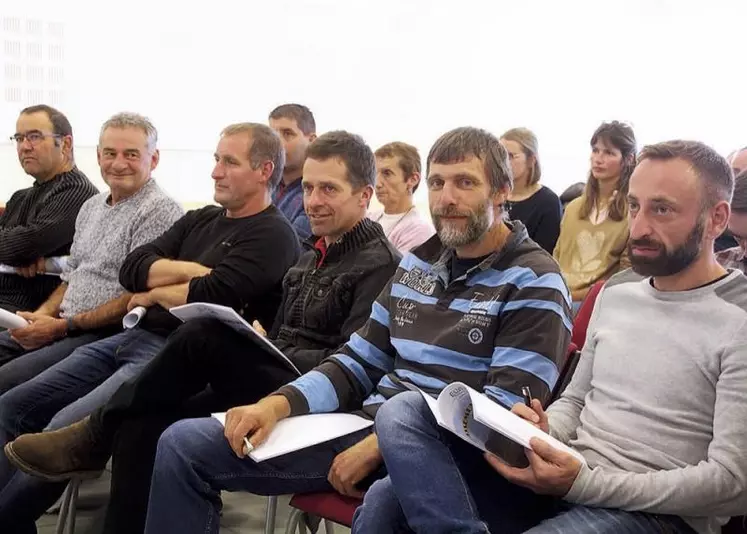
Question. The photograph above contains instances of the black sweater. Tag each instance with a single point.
(541, 214)
(249, 257)
(326, 299)
(39, 222)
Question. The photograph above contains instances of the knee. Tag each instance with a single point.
(186, 443)
(400, 415)
(380, 510)
(199, 329)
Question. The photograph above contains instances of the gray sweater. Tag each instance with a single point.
(104, 235)
(658, 403)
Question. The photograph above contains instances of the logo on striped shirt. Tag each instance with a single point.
(419, 280)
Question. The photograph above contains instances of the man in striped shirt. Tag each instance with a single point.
(39, 221)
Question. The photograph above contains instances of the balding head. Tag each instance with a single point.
(738, 160)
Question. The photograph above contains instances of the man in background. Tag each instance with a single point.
(397, 179)
(734, 257)
(296, 127)
(39, 222)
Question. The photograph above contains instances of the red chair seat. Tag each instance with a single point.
(328, 505)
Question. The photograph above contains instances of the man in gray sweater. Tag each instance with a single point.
(657, 405)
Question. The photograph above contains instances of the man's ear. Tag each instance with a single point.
(312, 138)
(154, 159)
(268, 167)
(720, 214)
(366, 195)
(67, 145)
(500, 197)
(412, 181)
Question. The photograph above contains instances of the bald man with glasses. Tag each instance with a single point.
(39, 221)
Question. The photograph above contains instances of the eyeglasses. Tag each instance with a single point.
(34, 137)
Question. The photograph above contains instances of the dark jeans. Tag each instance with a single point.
(440, 484)
(204, 367)
(17, 365)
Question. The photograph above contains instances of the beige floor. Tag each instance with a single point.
(242, 513)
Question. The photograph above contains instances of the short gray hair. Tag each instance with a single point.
(266, 145)
(133, 120)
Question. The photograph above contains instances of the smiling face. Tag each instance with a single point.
(125, 159)
(331, 203)
(461, 202)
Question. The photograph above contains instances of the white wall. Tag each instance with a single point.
(400, 69)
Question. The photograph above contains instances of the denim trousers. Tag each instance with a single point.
(194, 463)
(63, 394)
(437, 483)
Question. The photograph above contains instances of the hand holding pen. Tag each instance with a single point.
(531, 410)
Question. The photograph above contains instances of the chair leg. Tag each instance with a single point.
(294, 519)
(66, 517)
(271, 514)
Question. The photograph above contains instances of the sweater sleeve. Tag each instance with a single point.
(302, 226)
(133, 275)
(716, 486)
(345, 379)
(548, 228)
(366, 291)
(242, 277)
(53, 226)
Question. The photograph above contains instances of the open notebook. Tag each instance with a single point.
(303, 431)
(475, 418)
(197, 310)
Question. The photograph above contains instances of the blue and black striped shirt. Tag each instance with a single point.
(504, 324)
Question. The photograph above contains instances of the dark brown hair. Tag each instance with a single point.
(301, 114)
(711, 167)
(622, 137)
(458, 144)
(352, 150)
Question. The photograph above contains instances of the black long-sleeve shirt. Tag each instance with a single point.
(39, 222)
(541, 214)
(249, 257)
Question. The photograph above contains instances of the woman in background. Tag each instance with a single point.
(594, 231)
(530, 202)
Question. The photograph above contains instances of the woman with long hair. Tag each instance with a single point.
(530, 202)
(594, 231)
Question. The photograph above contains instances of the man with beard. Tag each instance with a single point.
(296, 127)
(479, 303)
(656, 406)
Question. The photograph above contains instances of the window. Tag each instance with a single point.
(12, 24)
(55, 75)
(56, 30)
(12, 48)
(12, 94)
(34, 96)
(34, 74)
(12, 71)
(33, 27)
(34, 51)
(56, 52)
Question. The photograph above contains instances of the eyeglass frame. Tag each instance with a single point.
(19, 138)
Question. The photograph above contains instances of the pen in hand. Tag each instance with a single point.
(527, 393)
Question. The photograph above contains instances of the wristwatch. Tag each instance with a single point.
(71, 327)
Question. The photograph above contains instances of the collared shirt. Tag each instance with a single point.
(732, 258)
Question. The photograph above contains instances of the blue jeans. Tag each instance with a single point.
(63, 394)
(194, 463)
(17, 365)
(439, 484)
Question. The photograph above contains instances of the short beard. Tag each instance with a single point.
(478, 223)
(668, 263)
